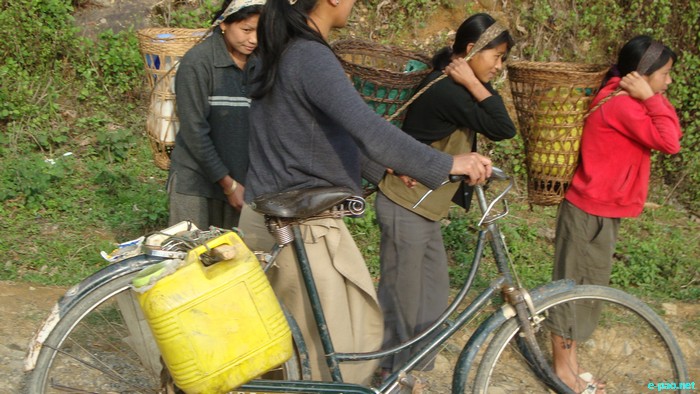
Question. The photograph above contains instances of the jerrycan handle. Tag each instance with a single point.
(224, 247)
(219, 253)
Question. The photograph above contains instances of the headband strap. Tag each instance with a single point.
(650, 56)
(485, 38)
(235, 6)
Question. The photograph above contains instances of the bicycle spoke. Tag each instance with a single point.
(103, 368)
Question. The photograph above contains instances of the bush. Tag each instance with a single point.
(114, 69)
(75, 167)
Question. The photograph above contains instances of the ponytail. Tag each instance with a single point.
(442, 58)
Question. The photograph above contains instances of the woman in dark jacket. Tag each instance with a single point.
(414, 283)
(210, 158)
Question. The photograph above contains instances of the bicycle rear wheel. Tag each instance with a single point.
(630, 345)
(102, 345)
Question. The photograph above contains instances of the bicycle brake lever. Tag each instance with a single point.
(431, 190)
(496, 174)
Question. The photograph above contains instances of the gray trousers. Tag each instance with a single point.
(414, 284)
(583, 252)
(201, 211)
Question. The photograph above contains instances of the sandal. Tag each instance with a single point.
(592, 386)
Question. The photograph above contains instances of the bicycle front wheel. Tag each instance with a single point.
(103, 345)
(619, 340)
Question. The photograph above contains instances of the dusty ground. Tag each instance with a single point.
(23, 307)
(117, 15)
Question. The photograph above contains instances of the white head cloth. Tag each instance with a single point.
(234, 6)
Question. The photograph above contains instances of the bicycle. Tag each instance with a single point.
(515, 339)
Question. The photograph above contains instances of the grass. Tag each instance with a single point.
(55, 235)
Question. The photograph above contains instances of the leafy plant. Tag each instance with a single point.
(118, 63)
(111, 141)
(652, 257)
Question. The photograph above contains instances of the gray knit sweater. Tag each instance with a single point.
(313, 129)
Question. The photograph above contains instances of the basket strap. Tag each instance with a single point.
(415, 96)
(602, 101)
(485, 38)
(235, 6)
(650, 56)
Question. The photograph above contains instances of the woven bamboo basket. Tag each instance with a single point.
(385, 76)
(551, 100)
(162, 49)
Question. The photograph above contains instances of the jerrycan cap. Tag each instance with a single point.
(148, 276)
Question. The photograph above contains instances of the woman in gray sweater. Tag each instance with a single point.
(310, 128)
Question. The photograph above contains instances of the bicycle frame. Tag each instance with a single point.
(440, 331)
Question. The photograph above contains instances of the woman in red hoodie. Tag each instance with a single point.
(629, 117)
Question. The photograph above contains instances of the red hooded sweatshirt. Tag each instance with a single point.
(612, 178)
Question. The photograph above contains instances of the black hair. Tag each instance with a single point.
(468, 33)
(237, 16)
(631, 54)
(279, 23)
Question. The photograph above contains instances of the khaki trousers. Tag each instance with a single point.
(345, 287)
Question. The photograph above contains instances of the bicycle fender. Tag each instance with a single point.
(496, 320)
(299, 342)
(78, 292)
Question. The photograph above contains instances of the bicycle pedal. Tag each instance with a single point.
(411, 384)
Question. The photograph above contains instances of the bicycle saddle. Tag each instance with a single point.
(302, 203)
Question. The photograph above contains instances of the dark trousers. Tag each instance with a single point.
(583, 252)
(414, 284)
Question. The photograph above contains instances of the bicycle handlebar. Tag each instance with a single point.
(496, 174)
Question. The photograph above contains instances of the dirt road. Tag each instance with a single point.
(23, 307)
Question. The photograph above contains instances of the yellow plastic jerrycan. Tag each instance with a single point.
(216, 326)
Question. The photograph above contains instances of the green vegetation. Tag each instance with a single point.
(75, 170)
(77, 173)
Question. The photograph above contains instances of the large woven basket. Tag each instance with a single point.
(385, 76)
(162, 49)
(551, 100)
